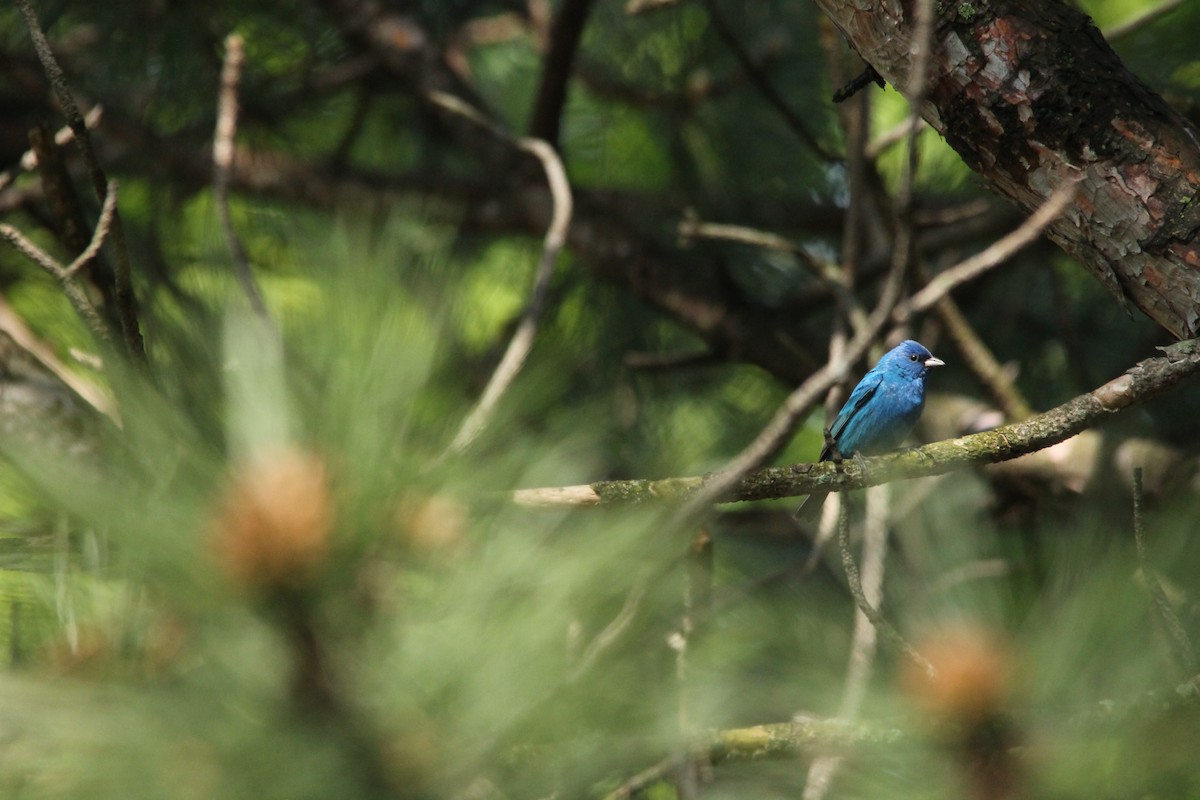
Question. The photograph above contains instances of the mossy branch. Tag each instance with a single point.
(1145, 380)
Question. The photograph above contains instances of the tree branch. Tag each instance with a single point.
(1031, 95)
(763, 83)
(565, 33)
(222, 156)
(867, 608)
(1181, 643)
(1143, 381)
(993, 255)
(67, 275)
(126, 300)
(556, 236)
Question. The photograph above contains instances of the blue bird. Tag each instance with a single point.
(883, 408)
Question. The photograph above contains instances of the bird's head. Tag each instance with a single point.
(911, 358)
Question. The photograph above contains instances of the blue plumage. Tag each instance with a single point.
(885, 404)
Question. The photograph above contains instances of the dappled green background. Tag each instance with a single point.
(478, 648)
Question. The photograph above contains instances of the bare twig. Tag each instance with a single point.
(1181, 643)
(556, 236)
(1140, 21)
(16, 328)
(67, 275)
(914, 93)
(1142, 382)
(103, 225)
(863, 639)
(981, 362)
(565, 33)
(993, 255)
(763, 83)
(611, 632)
(223, 150)
(635, 7)
(64, 136)
(690, 228)
(126, 300)
(891, 137)
(696, 598)
(869, 611)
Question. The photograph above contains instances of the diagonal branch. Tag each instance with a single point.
(222, 155)
(763, 84)
(126, 300)
(1142, 382)
(75, 294)
(565, 34)
(556, 236)
(866, 608)
(993, 255)
(1180, 642)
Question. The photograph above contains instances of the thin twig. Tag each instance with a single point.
(223, 150)
(555, 238)
(863, 639)
(67, 275)
(697, 596)
(1180, 642)
(876, 619)
(889, 138)
(692, 228)
(763, 83)
(1142, 20)
(23, 337)
(611, 632)
(103, 225)
(646, 778)
(904, 242)
(565, 33)
(981, 362)
(75, 295)
(635, 7)
(126, 300)
(993, 255)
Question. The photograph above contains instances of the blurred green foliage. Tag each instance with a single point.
(449, 643)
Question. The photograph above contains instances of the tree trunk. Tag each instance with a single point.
(1030, 95)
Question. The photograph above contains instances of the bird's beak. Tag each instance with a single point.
(934, 361)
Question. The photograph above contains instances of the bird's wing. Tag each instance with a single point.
(861, 395)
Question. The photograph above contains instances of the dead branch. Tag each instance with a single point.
(867, 609)
(126, 300)
(995, 254)
(223, 151)
(556, 236)
(67, 275)
(1181, 643)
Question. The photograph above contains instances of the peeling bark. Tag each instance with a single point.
(1030, 94)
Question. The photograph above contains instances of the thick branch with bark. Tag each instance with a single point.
(1144, 381)
(1031, 95)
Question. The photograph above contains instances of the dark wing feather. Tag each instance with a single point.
(861, 395)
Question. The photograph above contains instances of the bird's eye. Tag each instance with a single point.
(913, 357)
